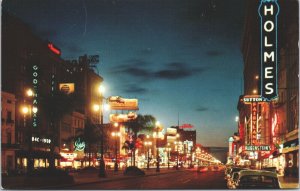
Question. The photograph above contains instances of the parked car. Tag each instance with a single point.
(232, 176)
(231, 182)
(232, 170)
(256, 179)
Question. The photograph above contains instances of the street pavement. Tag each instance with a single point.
(165, 179)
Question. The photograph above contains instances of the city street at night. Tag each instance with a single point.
(149, 94)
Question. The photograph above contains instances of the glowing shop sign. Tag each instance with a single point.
(268, 11)
(40, 140)
(79, 145)
(257, 148)
(254, 122)
(54, 49)
(35, 82)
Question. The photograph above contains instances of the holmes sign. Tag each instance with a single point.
(268, 12)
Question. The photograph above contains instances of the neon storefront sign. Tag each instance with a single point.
(79, 145)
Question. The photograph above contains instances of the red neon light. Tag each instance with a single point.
(53, 49)
(186, 126)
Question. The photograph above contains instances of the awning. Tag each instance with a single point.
(291, 143)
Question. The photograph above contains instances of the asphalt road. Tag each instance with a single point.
(178, 180)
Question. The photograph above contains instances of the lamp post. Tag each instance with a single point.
(102, 172)
(177, 137)
(116, 135)
(28, 110)
(148, 145)
(168, 153)
(157, 151)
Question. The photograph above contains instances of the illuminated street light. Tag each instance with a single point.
(116, 135)
(25, 110)
(148, 145)
(157, 124)
(101, 89)
(29, 93)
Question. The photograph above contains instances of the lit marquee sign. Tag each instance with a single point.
(257, 148)
(268, 11)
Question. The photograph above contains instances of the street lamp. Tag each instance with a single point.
(157, 151)
(177, 137)
(168, 152)
(116, 135)
(28, 110)
(148, 145)
(101, 90)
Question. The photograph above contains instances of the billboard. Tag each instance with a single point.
(119, 103)
(171, 131)
(120, 118)
(67, 88)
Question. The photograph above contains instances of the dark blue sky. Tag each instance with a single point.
(175, 56)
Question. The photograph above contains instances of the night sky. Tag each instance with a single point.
(175, 56)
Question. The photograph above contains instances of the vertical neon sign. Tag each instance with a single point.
(254, 122)
(268, 11)
(35, 95)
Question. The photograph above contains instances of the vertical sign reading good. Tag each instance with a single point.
(35, 95)
(268, 11)
(254, 122)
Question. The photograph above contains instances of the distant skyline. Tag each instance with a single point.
(175, 56)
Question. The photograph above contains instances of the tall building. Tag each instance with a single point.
(274, 124)
(8, 143)
(30, 63)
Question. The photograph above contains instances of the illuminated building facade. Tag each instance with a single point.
(274, 124)
(29, 62)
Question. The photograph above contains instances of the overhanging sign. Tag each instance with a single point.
(254, 122)
(257, 148)
(268, 11)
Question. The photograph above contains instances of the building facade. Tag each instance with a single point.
(270, 126)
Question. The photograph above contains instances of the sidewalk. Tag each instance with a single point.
(288, 182)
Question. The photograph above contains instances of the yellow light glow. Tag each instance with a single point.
(25, 109)
(157, 123)
(96, 107)
(29, 93)
(254, 91)
(101, 89)
(116, 124)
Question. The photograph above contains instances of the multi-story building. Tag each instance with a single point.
(276, 121)
(8, 145)
(30, 63)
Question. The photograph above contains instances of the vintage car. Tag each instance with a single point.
(256, 179)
